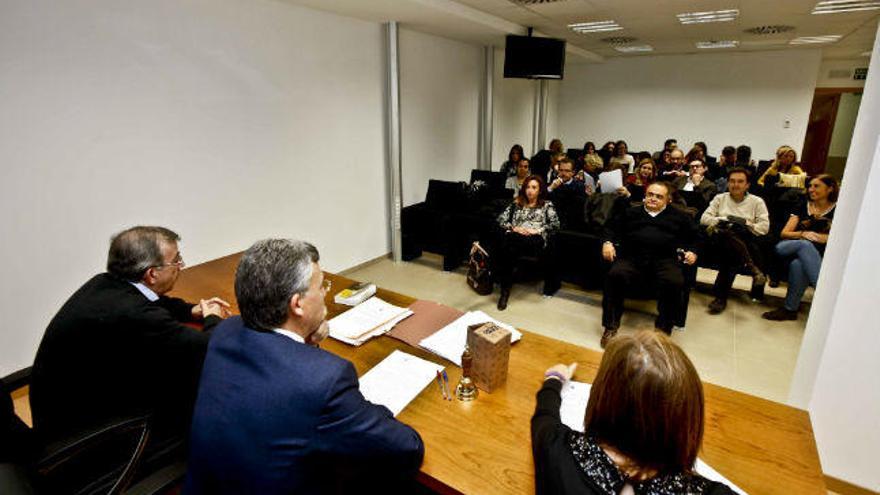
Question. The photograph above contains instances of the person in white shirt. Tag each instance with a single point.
(622, 159)
(735, 220)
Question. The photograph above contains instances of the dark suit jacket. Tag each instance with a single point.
(277, 416)
(639, 236)
(109, 353)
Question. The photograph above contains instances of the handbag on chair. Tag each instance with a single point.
(479, 278)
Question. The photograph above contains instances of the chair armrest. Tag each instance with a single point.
(17, 380)
(56, 459)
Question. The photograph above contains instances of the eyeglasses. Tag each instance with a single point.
(179, 263)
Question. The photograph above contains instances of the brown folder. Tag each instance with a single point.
(427, 318)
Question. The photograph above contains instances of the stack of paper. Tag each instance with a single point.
(397, 380)
(449, 342)
(366, 320)
(575, 396)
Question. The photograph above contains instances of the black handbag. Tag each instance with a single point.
(479, 278)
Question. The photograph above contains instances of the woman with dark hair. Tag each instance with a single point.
(515, 182)
(527, 225)
(607, 152)
(642, 429)
(803, 243)
(744, 158)
(508, 168)
(637, 183)
(622, 159)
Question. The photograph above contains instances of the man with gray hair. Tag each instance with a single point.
(277, 414)
(119, 346)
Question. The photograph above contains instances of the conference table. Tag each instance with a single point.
(484, 446)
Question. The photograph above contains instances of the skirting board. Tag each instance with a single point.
(843, 488)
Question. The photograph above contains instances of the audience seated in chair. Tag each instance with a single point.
(784, 171)
(637, 183)
(697, 182)
(592, 162)
(646, 245)
(668, 145)
(676, 167)
(735, 220)
(642, 428)
(514, 182)
(542, 161)
(622, 159)
(527, 225)
(515, 155)
(803, 243)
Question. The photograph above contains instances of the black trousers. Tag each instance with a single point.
(511, 247)
(628, 275)
(736, 248)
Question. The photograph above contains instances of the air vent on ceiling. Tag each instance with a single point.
(618, 40)
(535, 2)
(773, 29)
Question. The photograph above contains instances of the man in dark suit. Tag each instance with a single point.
(542, 163)
(568, 194)
(642, 244)
(119, 347)
(276, 414)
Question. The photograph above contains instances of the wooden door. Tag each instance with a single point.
(819, 128)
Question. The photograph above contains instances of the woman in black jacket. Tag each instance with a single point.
(643, 424)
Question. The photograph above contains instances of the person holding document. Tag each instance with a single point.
(643, 425)
(275, 413)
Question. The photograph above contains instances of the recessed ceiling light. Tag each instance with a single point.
(718, 44)
(595, 27)
(710, 16)
(803, 40)
(838, 6)
(634, 48)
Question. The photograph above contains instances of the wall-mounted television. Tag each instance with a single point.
(531, 57)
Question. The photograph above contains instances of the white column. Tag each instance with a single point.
(484, 160)
(393, 121)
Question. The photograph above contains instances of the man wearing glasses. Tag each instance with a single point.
(276, 414)
(120, 347)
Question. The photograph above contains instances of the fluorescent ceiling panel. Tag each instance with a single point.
(831, 38)
(840, 6)
(717, 44)
(634, 48)
(709, 16)
(595, 27)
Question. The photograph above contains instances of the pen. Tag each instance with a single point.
(440, 384)
(446, 385)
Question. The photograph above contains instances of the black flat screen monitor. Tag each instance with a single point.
(530, 57)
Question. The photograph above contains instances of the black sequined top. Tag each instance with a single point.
(568, 461)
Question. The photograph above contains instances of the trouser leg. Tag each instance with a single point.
(622, 273)
(670, 284)
(811, 259)
(797, 284)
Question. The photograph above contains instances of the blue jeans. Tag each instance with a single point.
(802, 271)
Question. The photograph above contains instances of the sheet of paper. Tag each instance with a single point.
(449, 342)
(575, 396)
(380, 330)
(574, 404)
(397, 380)
(610, 181)
(364, 318)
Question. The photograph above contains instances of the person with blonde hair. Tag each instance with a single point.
(784, 171)
(643, 425)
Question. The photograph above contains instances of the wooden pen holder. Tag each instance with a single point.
(490, 346)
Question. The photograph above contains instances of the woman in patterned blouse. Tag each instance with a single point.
(643, 425)
(526, 224)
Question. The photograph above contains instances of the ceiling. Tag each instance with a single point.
(650, 22)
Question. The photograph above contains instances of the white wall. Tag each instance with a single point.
(227, 121)
(440, 81)
(513, 110)
(827, 66)
(837, 370)
(719, 98)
